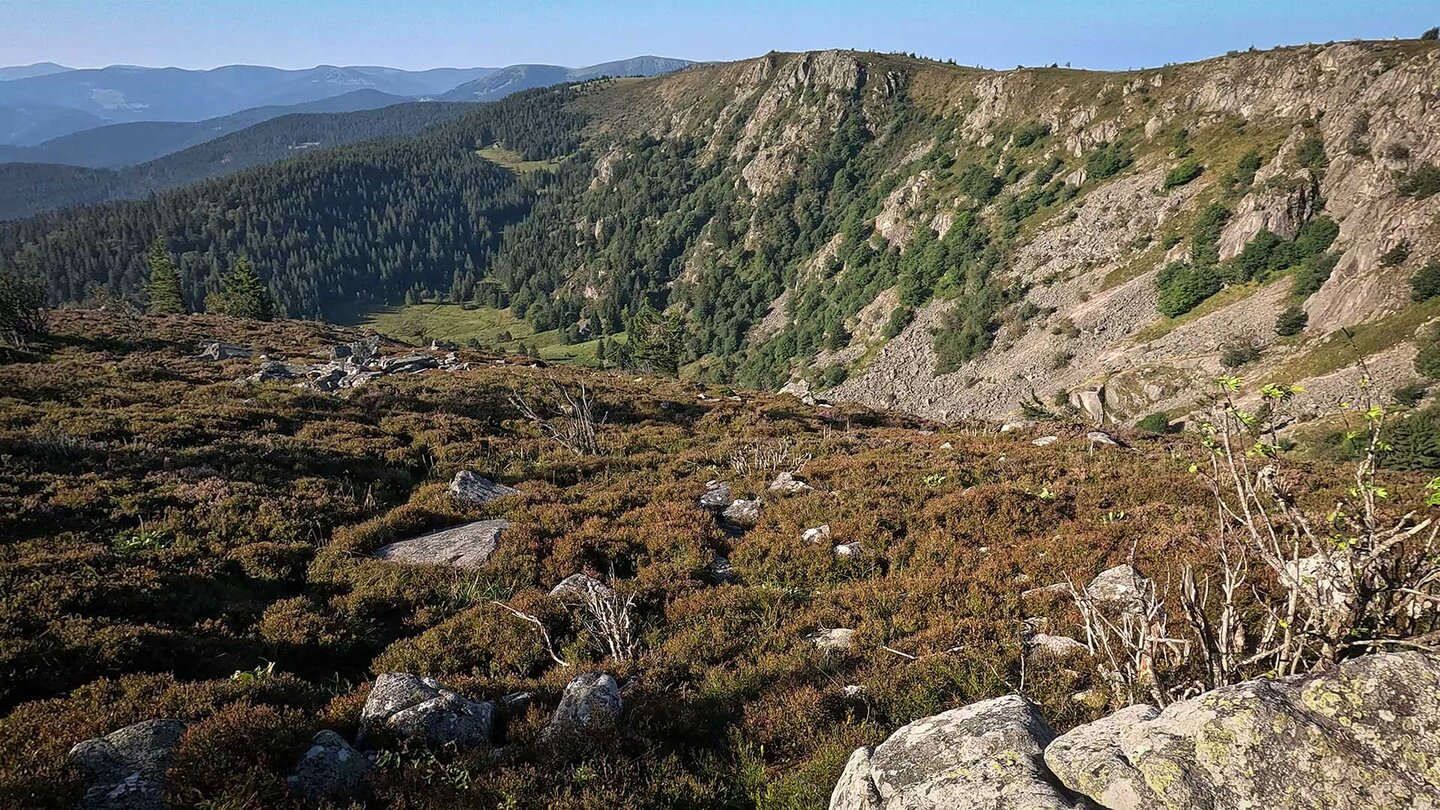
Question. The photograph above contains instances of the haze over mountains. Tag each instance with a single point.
(42, 102)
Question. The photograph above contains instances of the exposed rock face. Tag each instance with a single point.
(410, 707)
(985, 756)
(467, 546)
(1365, 735)
(471, 488)
(329, 769)
(590, 701)
(125, 770)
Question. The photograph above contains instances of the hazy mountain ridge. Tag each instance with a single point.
(526, 77)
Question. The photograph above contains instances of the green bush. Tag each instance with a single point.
(1427, 360)
(1413, 443)
(1183, 287)
(1205, 236)
(1158, 422)
(1313, 272)
(1030, 133)
(1396, 256)
(1310, 153)
(1291, 322)
(1185, 172)
(1107, 161)
(1425, 284)
(977, 181)
(1409, 395)
(1420, 182)
(1247, 167)
(1238, 353)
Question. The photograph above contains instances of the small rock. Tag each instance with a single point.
(1100, 437)
(1053, 588)
(786, 483)
(833, 639)
(1010, 427)
(853, 691)
(816, 534)
(1121, 586)
(223, 351)
(847, 550)
(467, 546)
(329, 769)
(947, 446)
(341, 352)
(578, 586)
(591, 700)
(1045, 441)
(270, 371)
(515, 702)
(471, 488)
(125, 770)
(717, 496)
(1044, 645)
(743, 513)
(408, 364)
(719, 570)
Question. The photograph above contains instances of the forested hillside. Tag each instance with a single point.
(948, 240)
(30, 188)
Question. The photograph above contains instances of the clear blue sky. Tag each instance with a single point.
(430, 33)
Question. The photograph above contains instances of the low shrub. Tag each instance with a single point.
(1238, 353)
(1158, 422)
(1291, 321)
(1182, 174)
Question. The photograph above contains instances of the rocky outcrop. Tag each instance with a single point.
(1363, 735)
(985, 756)
(467, 546)
(408, 707)
(329, 769)
(223, 351)
(125, 770)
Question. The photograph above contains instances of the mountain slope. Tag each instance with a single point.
(120, 145)
(945, 240)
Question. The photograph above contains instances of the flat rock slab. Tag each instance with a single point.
(467, 546)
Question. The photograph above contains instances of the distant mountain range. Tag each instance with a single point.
(511, 79)
(118, 145)
(39, 103)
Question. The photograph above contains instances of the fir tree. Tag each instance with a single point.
(162, 289)
(243, 294)
(654, 341)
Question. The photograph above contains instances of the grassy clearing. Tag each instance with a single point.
(511, 160)
(1334, 352)
(484, 326)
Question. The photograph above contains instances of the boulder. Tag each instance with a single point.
(742, 513)
(856, 790)
(985, 755)
(471, 488)
(125, 770)
(1100, 437)
(787, 484)
(365, 349)
(577, 586)
(833, 639)
(273, 370)
(341, 352)
(1088, 760)
(410, 707)
(717, 496)
(1091, 402)
(223, 351)
(591, 701)
(329, 769)
(467, 546)
(1364, 735)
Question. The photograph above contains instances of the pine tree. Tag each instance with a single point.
(162, 290)
(654, 341)
(243, 294)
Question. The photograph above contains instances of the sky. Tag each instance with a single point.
(415, 34)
